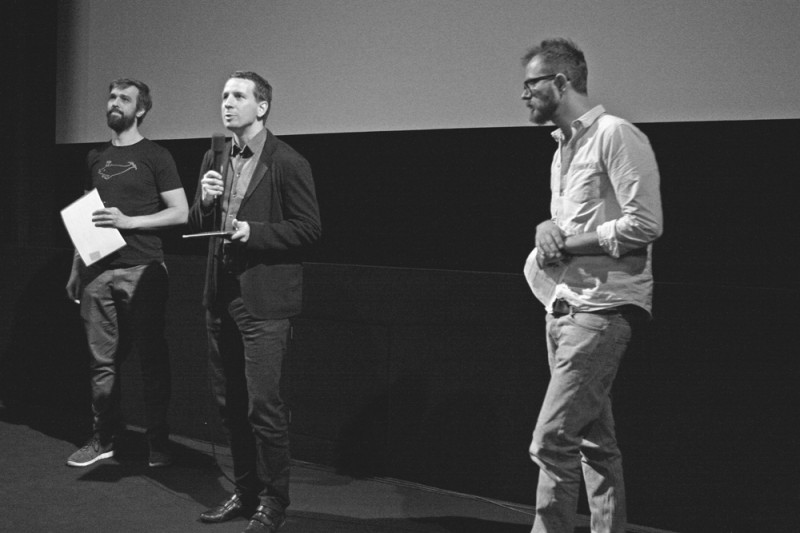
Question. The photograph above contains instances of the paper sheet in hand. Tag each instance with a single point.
(92, 243)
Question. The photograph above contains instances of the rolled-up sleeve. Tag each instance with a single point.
(633, 173)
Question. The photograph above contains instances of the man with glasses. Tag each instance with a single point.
(262, 195)
(591, 269)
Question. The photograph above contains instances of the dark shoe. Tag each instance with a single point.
(159, 453)
(231, 508)
(265, 520)
(91, 452)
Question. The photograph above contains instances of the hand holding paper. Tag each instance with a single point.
(93, 243)
(111, 217)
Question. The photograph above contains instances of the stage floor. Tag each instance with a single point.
(40, 493)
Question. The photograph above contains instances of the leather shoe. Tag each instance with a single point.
(231, 508)
(265, 520)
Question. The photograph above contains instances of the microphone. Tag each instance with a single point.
(217, 146)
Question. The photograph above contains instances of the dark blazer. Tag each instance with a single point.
(280, 206)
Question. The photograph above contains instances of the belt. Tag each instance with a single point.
(561, 307)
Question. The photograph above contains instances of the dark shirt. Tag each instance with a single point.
(132, 178)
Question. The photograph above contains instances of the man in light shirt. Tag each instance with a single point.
(592, 271)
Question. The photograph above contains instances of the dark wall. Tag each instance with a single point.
(27, 105)
(470, 199)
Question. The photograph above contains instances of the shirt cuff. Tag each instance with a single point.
(607, 238)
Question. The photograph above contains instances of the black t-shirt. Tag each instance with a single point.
(131, 178)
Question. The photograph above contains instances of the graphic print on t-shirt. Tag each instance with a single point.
(110, 169)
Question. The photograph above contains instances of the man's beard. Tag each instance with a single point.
(544, 110)
(543, 113)
(119, 122)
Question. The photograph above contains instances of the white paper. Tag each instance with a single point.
(543, 281)
(92, 243)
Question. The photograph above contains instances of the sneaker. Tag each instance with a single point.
(93, 451)
(159, 453)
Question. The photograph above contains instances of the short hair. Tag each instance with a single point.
(262, 91)
(143, 100)
(563, 56)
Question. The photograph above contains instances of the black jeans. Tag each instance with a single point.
(246, 356)
(123, 309)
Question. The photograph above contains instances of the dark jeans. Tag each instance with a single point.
(246, 356)
(123, 309)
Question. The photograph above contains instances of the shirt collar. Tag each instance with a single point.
(253, 147)
(582, 122)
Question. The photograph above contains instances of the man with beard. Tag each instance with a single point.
(122, 297)
(591, 268)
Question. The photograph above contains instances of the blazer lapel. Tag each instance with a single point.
(259, 173)
(263, 166)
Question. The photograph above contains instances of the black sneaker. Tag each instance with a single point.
(93, 451)
(159, 453)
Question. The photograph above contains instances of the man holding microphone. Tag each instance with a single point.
(262, 196)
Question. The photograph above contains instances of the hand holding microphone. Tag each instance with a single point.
(213, 186)
(212, 183)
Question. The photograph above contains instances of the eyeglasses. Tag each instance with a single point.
(530, 83)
